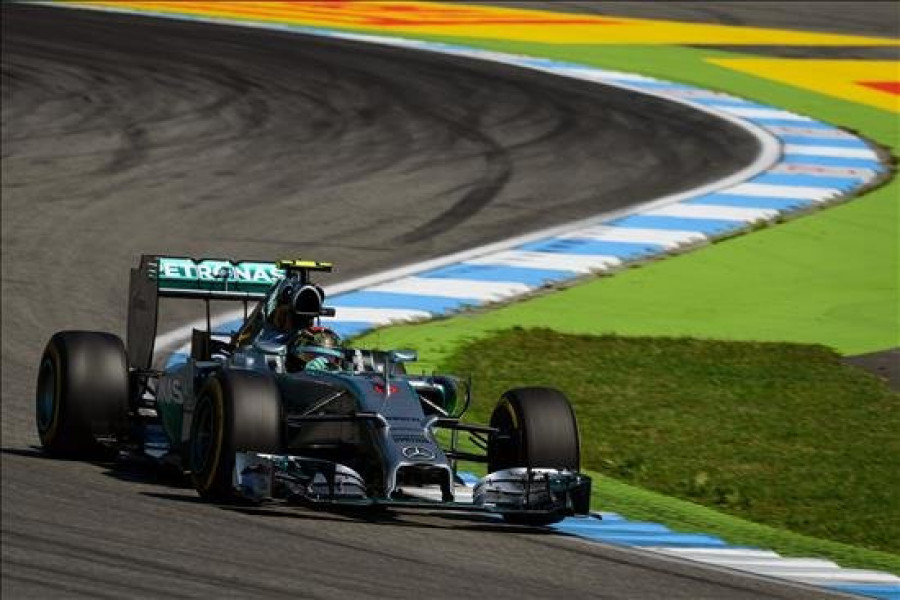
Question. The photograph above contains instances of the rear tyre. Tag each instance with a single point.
(236, 411)
(536, 429)
(81, 393)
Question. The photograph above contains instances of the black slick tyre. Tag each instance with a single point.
(82, 393)
(236, 411)
(537, 429)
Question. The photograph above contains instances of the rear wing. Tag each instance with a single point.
(203, 279)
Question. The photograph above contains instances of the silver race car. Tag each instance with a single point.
(281, 410)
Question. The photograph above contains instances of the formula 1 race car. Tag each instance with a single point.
(281, 410)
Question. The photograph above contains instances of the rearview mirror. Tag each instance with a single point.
(273, 348)
(403, 356)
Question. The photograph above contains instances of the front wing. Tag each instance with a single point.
(521, 491)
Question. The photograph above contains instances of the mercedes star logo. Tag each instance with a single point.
(418, 453)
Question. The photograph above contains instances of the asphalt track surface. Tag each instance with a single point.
(127, 135)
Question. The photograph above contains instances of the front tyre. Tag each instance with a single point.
(236, 411)
(82, 393)
(536, 429)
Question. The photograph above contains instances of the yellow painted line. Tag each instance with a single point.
(842, 79)
(426, 18)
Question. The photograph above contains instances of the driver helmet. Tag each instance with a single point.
(316, 348)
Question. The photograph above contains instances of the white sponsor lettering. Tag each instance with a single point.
(220, 271)
(215, 267)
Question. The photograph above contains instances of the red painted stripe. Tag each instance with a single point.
(352, 13)
(891, 87)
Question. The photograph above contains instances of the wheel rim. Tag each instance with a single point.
(46, 395)
(202, 440)
(506, 450)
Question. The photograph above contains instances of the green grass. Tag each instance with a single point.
(780, 434)
(610, 494)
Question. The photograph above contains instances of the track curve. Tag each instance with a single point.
(127, 135)
(124, 136)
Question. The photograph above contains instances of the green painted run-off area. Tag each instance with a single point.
(829, 278)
